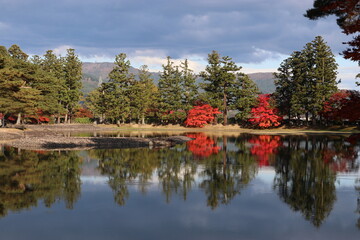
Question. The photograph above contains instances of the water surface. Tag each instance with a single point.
(214, 187)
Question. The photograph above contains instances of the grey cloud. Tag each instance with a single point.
(238, 28)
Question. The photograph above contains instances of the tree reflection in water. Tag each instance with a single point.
(264, 147)
(225, 174)
(202, 146)
(221, 167)
(222, 175)
(27, 177)
(306, 173)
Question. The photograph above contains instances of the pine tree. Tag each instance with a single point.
(100, 101)
(170, 89)
(119, 89)
(17, 76)
(220, 82)
(144, 94)
(284, 87)
(306, 80)
(72, 75)
(324, 74)
(189, 86)
(52, 83)
(246, 93)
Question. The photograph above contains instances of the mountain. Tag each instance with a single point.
(264, 80)
(96, 73)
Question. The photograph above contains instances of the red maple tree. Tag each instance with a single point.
(200, 115)
(342, 105)
(264, 115)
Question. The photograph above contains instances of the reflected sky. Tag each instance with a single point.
(249, 205)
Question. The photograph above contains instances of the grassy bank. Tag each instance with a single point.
(233, 129)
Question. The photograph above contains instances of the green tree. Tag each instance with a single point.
(246, 92)
(170, 87)
(189, 86)
(119, 89)
(144, 92)
(72, 74)
(306, 80)
(17, 76)
(224, 86)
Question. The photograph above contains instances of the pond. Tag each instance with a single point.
(213, 187)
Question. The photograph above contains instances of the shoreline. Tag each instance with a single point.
(58, 136)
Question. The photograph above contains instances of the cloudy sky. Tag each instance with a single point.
(257, 34)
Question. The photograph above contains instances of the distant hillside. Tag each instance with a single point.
(264, 80)
(96, 73)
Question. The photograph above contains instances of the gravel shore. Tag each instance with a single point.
(52, 138)
(65, 143)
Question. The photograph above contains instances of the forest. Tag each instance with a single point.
(46, 89)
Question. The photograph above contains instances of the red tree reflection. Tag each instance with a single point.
(202, 146)
(342, 159)
(263, 146)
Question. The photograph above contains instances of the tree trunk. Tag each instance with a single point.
(313, 121)
(66, 118)
(289, 116)
(18, 120)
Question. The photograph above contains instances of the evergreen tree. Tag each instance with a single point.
(72, 75)
(51, 82)
(221, 83)
(18, 95)
(170, 88)
(189, 86)
(306, 80)
(284, 87)
(118, 89)
(144, 94)
(100, 101)
(246, 93)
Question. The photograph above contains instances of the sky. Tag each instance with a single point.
(256, 34)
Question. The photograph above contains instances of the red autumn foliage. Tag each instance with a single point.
(83, 112)
(264, 115)
(263, 146)
(342, 105)
(202, 146)
(33, 119)
(200, 115)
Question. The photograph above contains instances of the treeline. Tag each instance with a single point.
(39, 86)
(306, 91)
(125, 98)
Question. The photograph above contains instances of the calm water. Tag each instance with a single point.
(214, 187)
